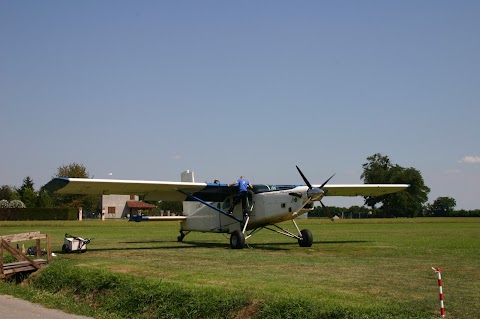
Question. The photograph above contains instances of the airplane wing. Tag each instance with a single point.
(362, 189)
(150, 190)
(210, 192)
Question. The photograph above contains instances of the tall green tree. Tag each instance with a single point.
(377, 169)
(29, 198)
(442, 206)
(72, 170)
(27, 184)
(44, 199)
(408, 203)
(27, 193)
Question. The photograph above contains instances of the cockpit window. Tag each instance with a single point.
(264, 188)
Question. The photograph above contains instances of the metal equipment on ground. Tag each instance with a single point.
(75, 244)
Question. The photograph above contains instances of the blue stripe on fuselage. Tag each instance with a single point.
(219, 192)
(214, 193)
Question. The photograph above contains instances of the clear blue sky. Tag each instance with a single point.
(147, 89)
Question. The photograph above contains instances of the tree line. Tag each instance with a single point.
(411, 202)
(26, 196)
(378, 169)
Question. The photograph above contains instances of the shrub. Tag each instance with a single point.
(4, 203)
(38, 214)
(16, 204)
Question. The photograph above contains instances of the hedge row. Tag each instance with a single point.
(38, 214)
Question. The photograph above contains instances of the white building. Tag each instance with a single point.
(122, 206)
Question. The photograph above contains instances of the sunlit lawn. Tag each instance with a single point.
(378, 263)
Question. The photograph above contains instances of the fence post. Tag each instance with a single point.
(1, 258)
(440, 291)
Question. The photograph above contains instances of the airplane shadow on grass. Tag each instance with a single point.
(281, 245)
(277, 246)
(155, 245)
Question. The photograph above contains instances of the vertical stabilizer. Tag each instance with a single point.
(189, 207)
(187, 176)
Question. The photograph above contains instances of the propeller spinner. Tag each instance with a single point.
(314, 193)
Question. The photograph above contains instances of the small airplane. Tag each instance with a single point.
(268, 204)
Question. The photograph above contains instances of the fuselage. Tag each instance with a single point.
(268, 204)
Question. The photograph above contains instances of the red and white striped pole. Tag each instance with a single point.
(440, 291)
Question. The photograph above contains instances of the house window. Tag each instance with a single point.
(132, 197)
(111, 210)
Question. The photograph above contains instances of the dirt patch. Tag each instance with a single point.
(249, 310)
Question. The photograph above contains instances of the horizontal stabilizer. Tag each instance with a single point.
(138, 218)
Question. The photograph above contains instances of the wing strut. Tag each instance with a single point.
(209, 205)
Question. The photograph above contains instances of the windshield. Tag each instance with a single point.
(264, 188)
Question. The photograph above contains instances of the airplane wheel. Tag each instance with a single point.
(307, 238)
(237, 240)
(181, 237)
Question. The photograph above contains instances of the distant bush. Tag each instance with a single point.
(3, 203)
(38, 213)
(465, 213)
(362, 211)
(16, 204)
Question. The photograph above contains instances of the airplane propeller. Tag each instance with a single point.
(315, 193)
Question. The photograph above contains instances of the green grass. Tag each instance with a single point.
(379, 268)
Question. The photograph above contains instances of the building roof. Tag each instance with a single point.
(138, 204)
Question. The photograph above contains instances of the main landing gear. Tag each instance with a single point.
(237, 240)
(304, 237)
(182, 235)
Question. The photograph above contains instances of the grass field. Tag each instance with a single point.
(367, 268)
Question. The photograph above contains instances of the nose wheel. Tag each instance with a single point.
(307, 238)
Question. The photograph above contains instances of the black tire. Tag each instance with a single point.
(65, 249)
(307, 238)
(182, 236)
(237, 240)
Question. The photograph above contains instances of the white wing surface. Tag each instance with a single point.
(169, 191)
(151, 190)
(362, 189)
